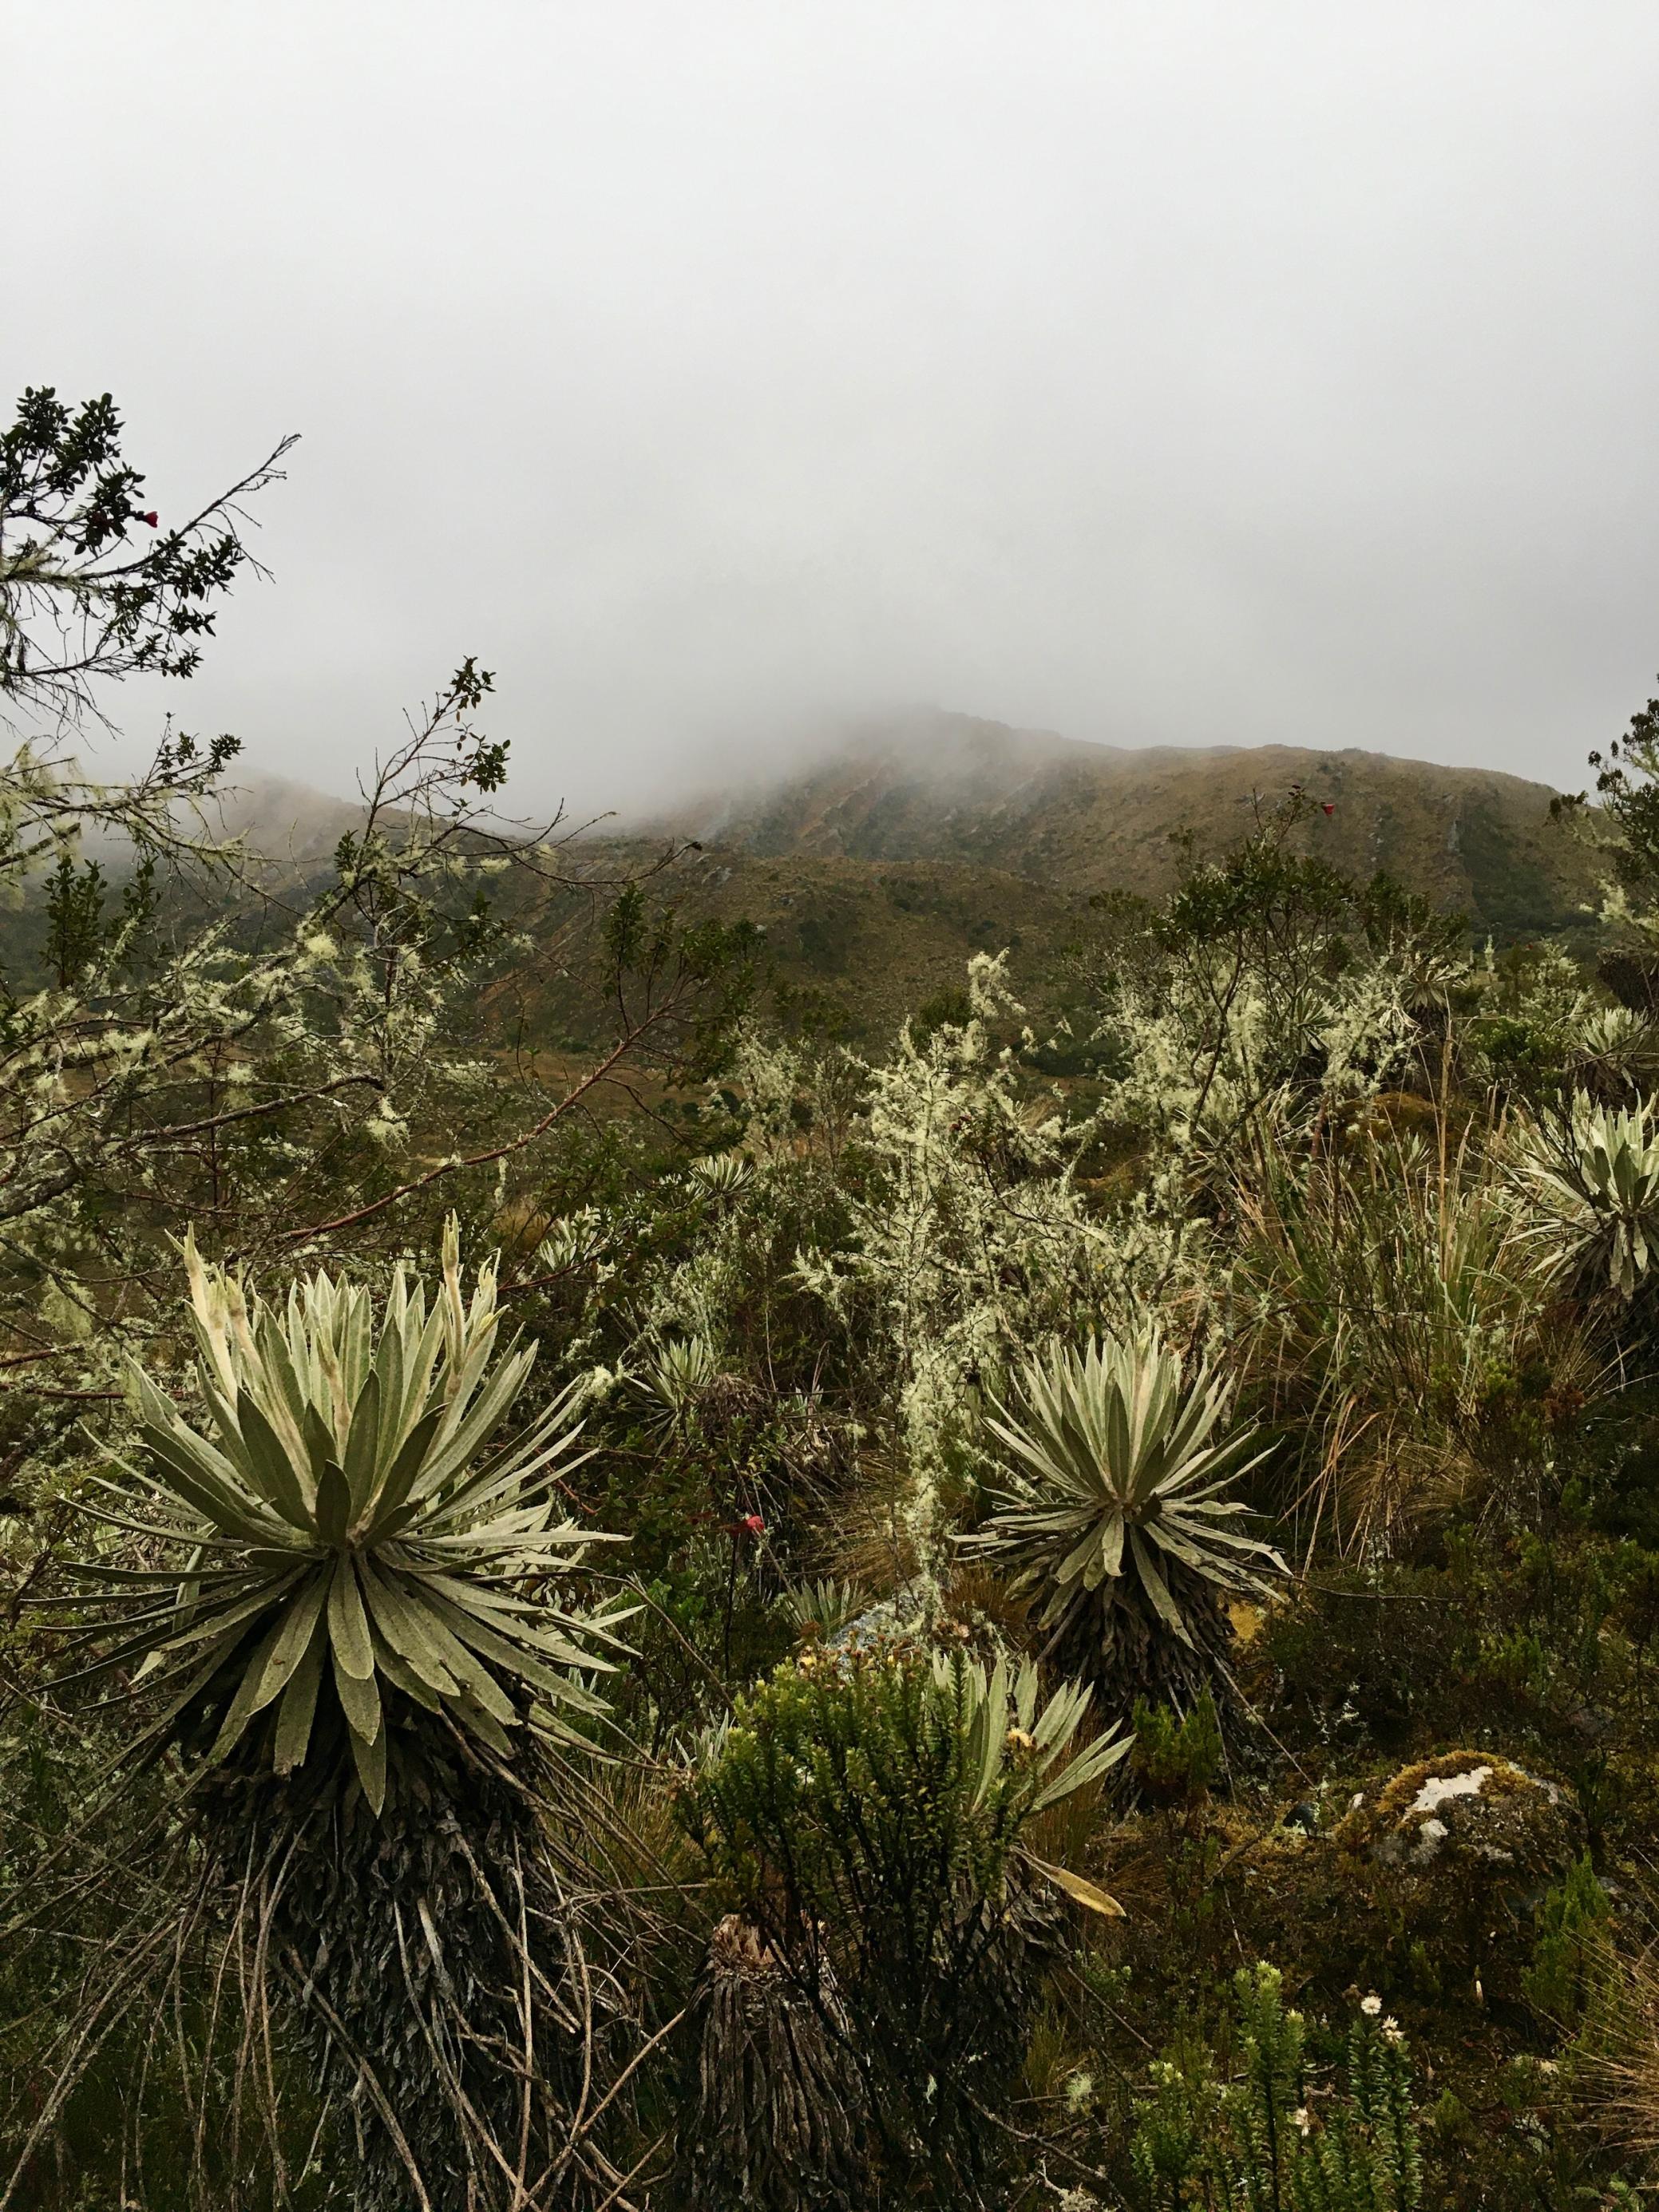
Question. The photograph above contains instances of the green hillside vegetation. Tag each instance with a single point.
(718, 1580)
(876, 876)
(852, 947)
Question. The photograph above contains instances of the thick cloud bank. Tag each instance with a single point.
(1160, 373)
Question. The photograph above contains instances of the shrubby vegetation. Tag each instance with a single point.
(734, 1622)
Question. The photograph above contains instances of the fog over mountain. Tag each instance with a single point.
(1078, 819)
(1174, 374)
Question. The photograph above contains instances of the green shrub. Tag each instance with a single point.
(1567, 1946)
(1267, 2140)
(1361, 1654)
(1176, 1758)
(947, 1009)
(867, 1813)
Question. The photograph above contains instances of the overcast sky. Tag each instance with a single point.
(1164, 372)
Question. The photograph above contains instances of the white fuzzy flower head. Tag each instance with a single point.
(1392, 2031)
(1303, 2119)
(1370, 2007)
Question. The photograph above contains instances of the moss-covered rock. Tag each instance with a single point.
(1468, 1809)
(1457, 1849)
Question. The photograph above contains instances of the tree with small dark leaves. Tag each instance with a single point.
(91, 585)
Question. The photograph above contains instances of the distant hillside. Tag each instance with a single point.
(877, 873)
(1085, 817)
(871, 940)
(290, 823)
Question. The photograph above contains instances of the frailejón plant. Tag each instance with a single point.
(1115, 1514)
(356, 1540)
(719, 1175)
(682, 1370)
(1594, 1187)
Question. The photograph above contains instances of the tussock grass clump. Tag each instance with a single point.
(1384, 1307)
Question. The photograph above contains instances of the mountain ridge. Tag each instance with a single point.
(876, 869)
(1080, 816)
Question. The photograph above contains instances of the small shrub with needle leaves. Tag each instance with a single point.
(1270, 2136)
(867, 1812)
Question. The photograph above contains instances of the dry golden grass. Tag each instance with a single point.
(1616, 2062)
(1385, 1307)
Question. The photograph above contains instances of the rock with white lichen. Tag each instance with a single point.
(1466, 1841)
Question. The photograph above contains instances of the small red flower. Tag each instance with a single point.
(1328, 807)
(752, 1524)
(152, 518)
